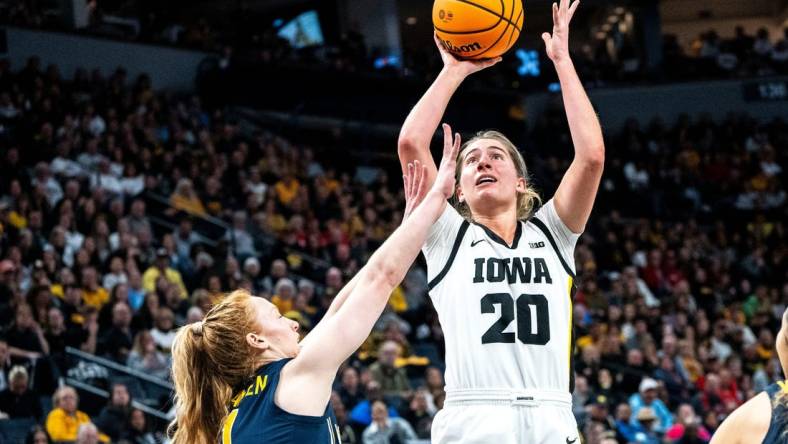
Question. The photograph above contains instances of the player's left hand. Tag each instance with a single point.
(557, 44)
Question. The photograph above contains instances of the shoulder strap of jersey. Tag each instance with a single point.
(541, 225)
(454, 249)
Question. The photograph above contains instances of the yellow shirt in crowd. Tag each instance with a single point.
(153, 273)
(96, 298)
(63, 427)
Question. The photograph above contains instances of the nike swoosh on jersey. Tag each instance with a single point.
(473, 244)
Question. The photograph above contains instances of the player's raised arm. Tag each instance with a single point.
(419, 127)
(415, 190)
(575, 195)
(343, 333)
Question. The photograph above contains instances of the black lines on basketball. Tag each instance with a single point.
(484, 8)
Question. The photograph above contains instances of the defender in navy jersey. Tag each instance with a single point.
(241, 375)
(764, 418)
(501, 270)
(256, 417)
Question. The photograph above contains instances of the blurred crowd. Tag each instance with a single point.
(245, 37)
(112, 195)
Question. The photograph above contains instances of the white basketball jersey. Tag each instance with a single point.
(506, 312)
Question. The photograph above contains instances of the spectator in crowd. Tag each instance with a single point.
(393, 381)
(64, 421)
(17, 401)
(162, 268)
(116, 274)
(361, 414)
(185, 237)
(137, 221)
(419, 415)
(688, 427)
(163, 331)
(114, 416)
(146, 358)
(384, 429)
(26, 339)
(284, 295)
(38, 435)
(186, 199)
(647, 397)
(137, 430)
(350, 390)
(645, 423)
(93, 295)
(240, 239)
(89, 434)
(116, 342)
(278, 271)
(5, 364)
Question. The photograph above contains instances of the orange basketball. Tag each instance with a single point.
(477, 29)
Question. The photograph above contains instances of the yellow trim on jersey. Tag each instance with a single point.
(783, 386)
(571, 313)
(227, 430)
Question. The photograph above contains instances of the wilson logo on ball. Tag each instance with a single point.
(475, 46)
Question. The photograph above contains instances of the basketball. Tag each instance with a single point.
(477, 29)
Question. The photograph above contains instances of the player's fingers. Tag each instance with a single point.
(422, 183)
(446, 137)
(419, 180)
(491, 62)
(410, 175)
(572, 9)
(406, 186)
(546, 38)
(439, 44)
(455, 149)
(555, 14)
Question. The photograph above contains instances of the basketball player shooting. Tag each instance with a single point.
(501, 277)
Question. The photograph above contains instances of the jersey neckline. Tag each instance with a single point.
(491, 234)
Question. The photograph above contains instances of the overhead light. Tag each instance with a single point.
(411, 21)
(612, 19)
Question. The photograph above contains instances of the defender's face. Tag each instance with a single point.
(488, 177)
(279, 333)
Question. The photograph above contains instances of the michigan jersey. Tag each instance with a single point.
(506, 310)
(778, 428)
(255, 417)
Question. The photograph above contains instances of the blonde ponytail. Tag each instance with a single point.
(209, 359)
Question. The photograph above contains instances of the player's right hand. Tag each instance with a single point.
(444, 181)
(462, 67)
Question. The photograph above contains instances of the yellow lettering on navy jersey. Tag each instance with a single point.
(261, 382)
(783, 386)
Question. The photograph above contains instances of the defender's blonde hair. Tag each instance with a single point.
(210, 359)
